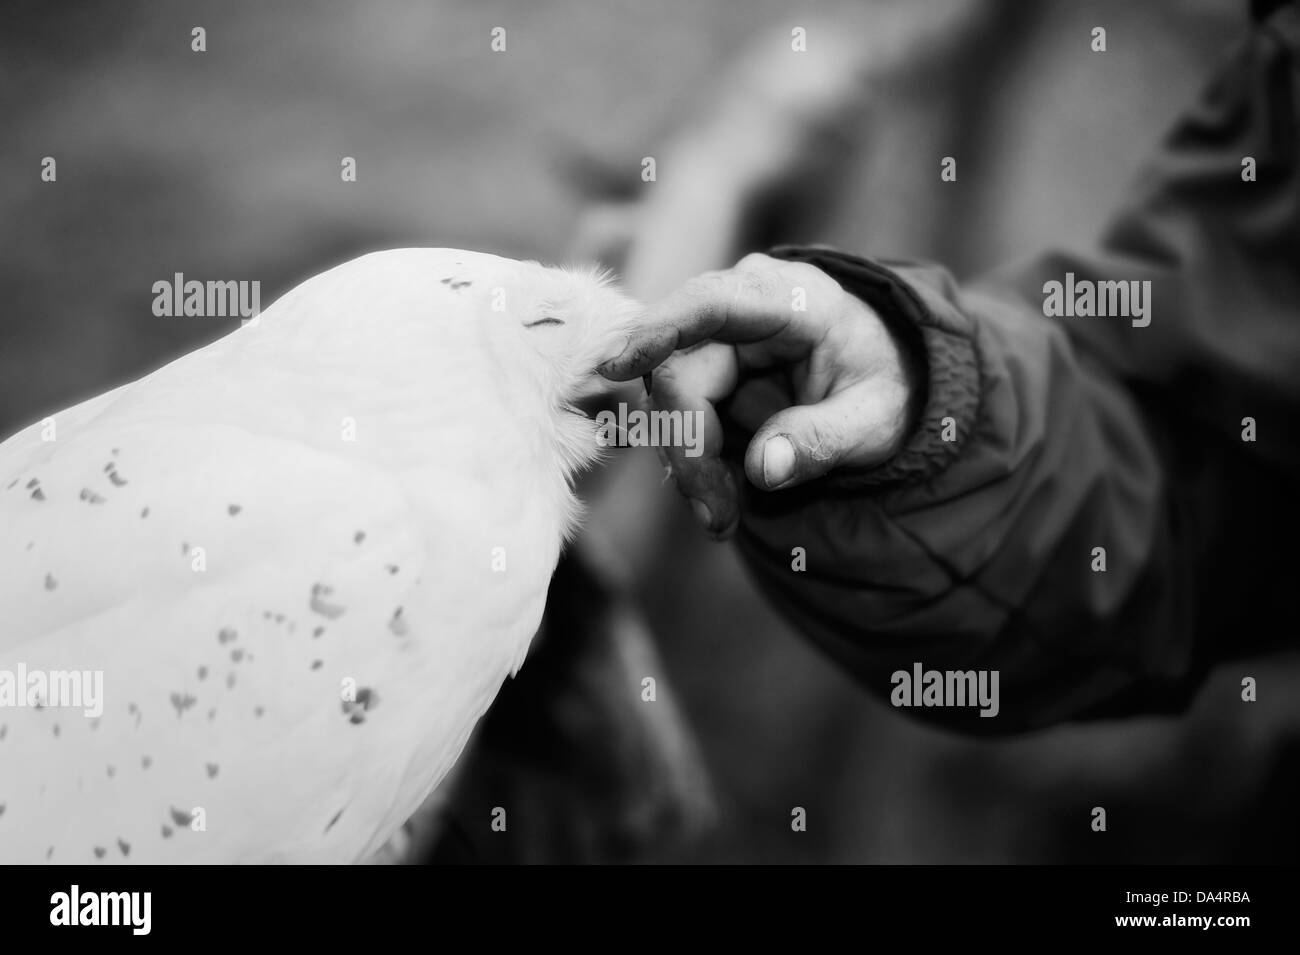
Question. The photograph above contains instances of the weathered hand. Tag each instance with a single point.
(852, 383)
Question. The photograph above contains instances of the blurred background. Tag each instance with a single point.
(225, 164)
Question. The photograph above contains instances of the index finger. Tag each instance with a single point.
(754, 301)
(689, 387)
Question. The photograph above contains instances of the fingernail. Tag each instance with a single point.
(778, 461)
(606, 367)
(702, 513)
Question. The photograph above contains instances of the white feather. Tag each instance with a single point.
(465, 441)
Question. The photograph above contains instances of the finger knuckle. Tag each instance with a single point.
(825, 440)
(810, 277)
(707, 287)
(755, 260)
(754, 285)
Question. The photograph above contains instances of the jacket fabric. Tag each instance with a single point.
(1171, 442)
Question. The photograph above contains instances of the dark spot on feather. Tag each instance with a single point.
(259, 711)
(94, 724)
(330, 825)
(237, 654)
(99, 852)
(182, 702)
(49, 852)
(203, 673)
(4, 730)
(355, 710)
(234, 509)
(9, 486)
(56, 730)
(212, 714)
(181, 817)
(146, 762)
(398, 623)
(31, 544)
(124, 846)
(167, 832)
(230, 681)
(2, 809)
(317, 632)
(317, 664)
(392, 568)
(318, 594)
(38, 495)
(279, 618)
(88, 495)
(112, 771)
(112, 451)
(358, 537)
(144, 513)
(32, 483)
(226, 634)
(50, 582)
(185, 549)
(212, 770)
(117, 479)
(548, 320)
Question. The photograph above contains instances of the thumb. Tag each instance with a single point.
(804, 442)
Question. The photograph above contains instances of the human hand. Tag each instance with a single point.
(853, 385)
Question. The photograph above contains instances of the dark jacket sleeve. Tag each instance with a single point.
(1041, 439)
